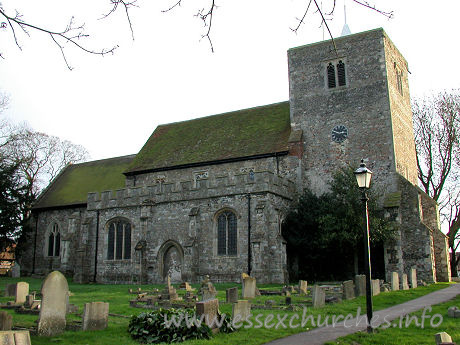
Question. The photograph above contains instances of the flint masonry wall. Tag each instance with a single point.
(184, 215)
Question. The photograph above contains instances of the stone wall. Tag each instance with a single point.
(183, 217)
(363, 106)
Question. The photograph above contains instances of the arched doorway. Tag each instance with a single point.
(171, 261)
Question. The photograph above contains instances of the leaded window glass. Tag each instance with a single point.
(54, 241)
(341, 73)
(119, 240)
(227, 234)
(331, 76)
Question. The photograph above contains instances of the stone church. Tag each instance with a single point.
(208, 196)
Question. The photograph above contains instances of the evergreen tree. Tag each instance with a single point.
(324, 233)
(13, 204)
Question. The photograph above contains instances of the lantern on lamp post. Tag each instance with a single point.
(363, 177)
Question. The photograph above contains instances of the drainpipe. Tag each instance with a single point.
(96, 249)
(249, 235)
(35, 243)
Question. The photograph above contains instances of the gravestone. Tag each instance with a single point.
(303, 287)
(394, 281)
(405, 284)
(348, 289)
(241, 308)
(249, 287)
(16, 270)
(6, 321)
(186, 286)
(375, 287)
(231, 295)
(318, 296)
(360, 285)
(207, 289)
(288, 300)
(22, 290)
(15, 338)
(169, 292)
(413, 278)
(10, 290)
(95, 316)
(451, 311)
(55, 296)
(210, 311)
(442, 337)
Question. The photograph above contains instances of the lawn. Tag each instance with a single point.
(118, 297)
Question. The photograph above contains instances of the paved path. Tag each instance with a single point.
(320, 335)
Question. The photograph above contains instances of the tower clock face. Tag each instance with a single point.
(339, 133)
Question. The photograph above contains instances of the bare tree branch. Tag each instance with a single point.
(389, 14)
(126, 5)
(206, 17)
(71, 34)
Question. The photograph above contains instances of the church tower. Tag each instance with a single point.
(350, 99)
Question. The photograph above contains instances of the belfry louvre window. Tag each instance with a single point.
(54, 241)
(336, 74)
(226, 234)
(119, 240)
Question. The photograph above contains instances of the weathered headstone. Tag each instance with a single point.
(231, 295)
(16, 270)
(405, 284)
(29, 300)
(168, 293)
(207, 294)
(451, 311)
(360, 285)
(241, 308)
(22, 290)
(6, 321)
(210, 311)
(15, 338)
(55, 294)
(318, 296)
(249, 287)
(288, 300)
(95, 316)
(186, 286)
(303, 287)
(394, 281)
(10, 290)
(413, 278)
(375, 287)
(348, 290)
(442, 337)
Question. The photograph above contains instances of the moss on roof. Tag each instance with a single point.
(75, 181)
(243, 133)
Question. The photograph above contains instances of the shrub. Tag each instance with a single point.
(154, 327)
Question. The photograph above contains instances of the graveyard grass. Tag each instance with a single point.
(118, 297)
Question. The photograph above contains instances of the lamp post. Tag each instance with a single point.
(363, 177)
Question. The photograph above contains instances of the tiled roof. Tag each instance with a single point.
(244, 133)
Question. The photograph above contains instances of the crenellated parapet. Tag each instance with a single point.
(214, 186)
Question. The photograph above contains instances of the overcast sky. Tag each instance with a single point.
(111, 105)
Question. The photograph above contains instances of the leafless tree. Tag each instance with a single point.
(39, 156)
(437, 139)
(206, 14)
(73, 33)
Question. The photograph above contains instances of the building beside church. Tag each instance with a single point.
(208, 196)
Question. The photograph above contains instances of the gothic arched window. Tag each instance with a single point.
(330, 76)
(54, 241)
(119, 240)
(341, 73)
(227, 234)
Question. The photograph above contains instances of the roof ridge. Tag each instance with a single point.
(221, 114)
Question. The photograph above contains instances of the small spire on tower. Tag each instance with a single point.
(345, 30)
